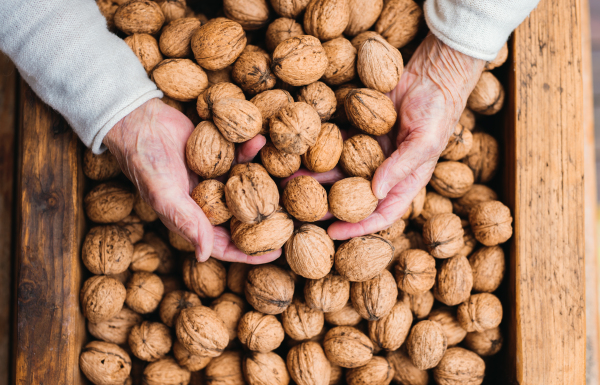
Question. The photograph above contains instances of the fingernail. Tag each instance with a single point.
(382, 191)
(199, 256)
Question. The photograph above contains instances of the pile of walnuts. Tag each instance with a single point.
(408, 303)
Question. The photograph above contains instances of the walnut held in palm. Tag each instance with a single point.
(370, 110)
(295, 128)
(251, 195)
(361, 156)
(299, 60)
(238, 120)
(352, 200)
(264, 237)
(210, 196)
(305, 199)
(309, 251)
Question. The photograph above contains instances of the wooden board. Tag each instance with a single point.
(50, 328)
(545, 190)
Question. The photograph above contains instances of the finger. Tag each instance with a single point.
(329, 177)
(248, 150)
(225, 250)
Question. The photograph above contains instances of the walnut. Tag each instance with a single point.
(483, 157)
(122, 277)
(452, 179)
(172, 9)
(176, 104)
(265, 368)
(435, 204)
(405, 372)
(336, 375)
(253, 73)
(164, 253)
(145, 48)
(301, 322)
(175, 37)
(370, 110)
(282, 29)
(324, 154)
(341, 56)
(446, 317)
(443, 235)
(378, 371)
(401, 243)
(250, 48)
(251, 14)
(108, 202)
(491, 223)
(269, 289)
(485, 343)
(415, 271)
(340, 115)
(499, 60)
(426, 344)
(214, 93)
(309, 251)
(480, 312)
(374, 299)
(469, 240)
(459, 366)
(327, 294)
(226, 369)
(390, 331)
(218, 43)
(139, 16)
(459, 144)
(467, 119)
(361, 156)
(454, 281)
(144, 292)
(346, 316)
(399, 22)
(278, 163)
(165, 371)
(269, 235)
(269, 103)
(359, 39)
(175, 301)
(143, 209)
(207, 279)
(305, 199)
(363, 14)
(363, 258)
(420, 304)
(352, 200)
(488, 268)
(379, 65)
(222, 75)
(104, 363)
(308, 365)
(416, 205)
(252, 196)
(187, 360)
(102, 298)
(201, 331)
(260, 332)
(477, 194)
(180, 79)
(107, 250)
(210, 196)
(100, 167)
(236, 277)
(150, 341)
(229, 308)
(487, 98)
(295, 128)
(108, 8)
(394, 231)
(347, 347)
(319, 96)
(299, 60)
(326, 19)
(116, 329)
(180, 243)
(289, 8)
(238, 120)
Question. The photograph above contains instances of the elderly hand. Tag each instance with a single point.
(149, 144)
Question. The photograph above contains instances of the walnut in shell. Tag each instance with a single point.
(260, 332)
(363, 258)
(420, 304)
(361, 156)
(220, 76)
(226, 369)
(238, 120)
(144, 292)
(488, 268)
(416, 205)
(218, 43)
(229, 308)
(415, 271)
(328, 294)
(301, 322)
(172, 9)
(101, 298)
(264, 237)
(352, 200)
(467, 119)
(299, 60)
(452, 179)
(207, 279)
(346, 316)
(145, 49)
(104, 363)
(139, 16)
(482, 159)
(341, 56)
(107, 250)
(253, 73)
(446, 317)
(251, 14)
(443, 235)
(399, 22)
(289, 8)
(426, 344)
(485, 343)
(175, 38)
(491, 223)
(309, 252)
(210, 196)
(165, 371)
(176, 104)
(214, 93)
(434, 204)
(340, 115)
(374, 299)
(308, 365)
(278, 163)
(459, 366)
(180, 243)
(265, 368)
(480, 312)
(269, 289)
(394, 231)
(100, 167)
(251, 195)
(187, 360)
(201, 331)
(363, 14)
(405, 372)
(469, 240)
(454, 281)
(379, 64)
(477, 194)
(269, 103)
(295, 128)
(236, 277)
(320, 97)
(499, 60)
(180, 79)
(370, 110)
(347, 347)
(116, 329)
(459, 144)
(281, 29)
(326, 19)
(175, 301)
(150, 341)
(108, 202)
(143, 209)
(487, 98)
(378, 371)
(305, 199)
(108, 8)
(390, 331)
(164, 252)
(324, 154)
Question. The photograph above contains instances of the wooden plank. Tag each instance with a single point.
(50, 327)
(547, 314)
(8, 110)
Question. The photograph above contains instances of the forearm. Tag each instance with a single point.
(65, 52)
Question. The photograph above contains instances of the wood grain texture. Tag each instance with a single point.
(546, 194)
(50, 327)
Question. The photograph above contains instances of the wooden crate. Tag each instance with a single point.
(543, 185)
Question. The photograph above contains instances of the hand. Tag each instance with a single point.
(430, 97)
(149, 144)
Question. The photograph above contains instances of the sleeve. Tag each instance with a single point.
(64, 51)
(477, 28)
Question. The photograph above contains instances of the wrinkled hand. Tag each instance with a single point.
(149, 144)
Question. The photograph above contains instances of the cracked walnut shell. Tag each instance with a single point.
(269, 289)
(363, 258)
(104, 363)
(361, 156)
(379, 65)
(352, 200)
(264, 237)
(207, 279)
(150, 341)
(452, 179)
(390, 331)
(415, 271)
(454, 281)
(251, 195)
(443, 235)
(324, 155)
(175, 301)
(165, 371)
(299, 60)
(260, 332)
(278, 163)
(201, 331)
(347, 347)
(180, 79)
(253, 73)
(281, 29)
(107, 250)
(426, 344)
(308, 365)
(341, 57)
(328, 294)
(309, 252)
(301, 322)
(491, 223)
(459, 366)
(295, 128)
(109, 202)
(370, 110)
(116, 329)
(375, 298)
(218, 43)
(305, 199)
(251, 14)
(176, 36)
(399, 21)
(139, 16)
(326, 19)
(102, 298)
(269, 103)
(480, 312)
(210, 196)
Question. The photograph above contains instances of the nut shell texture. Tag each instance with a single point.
(363, 258)
(443, 235)
(361, 156)
(405, 372)
(491, 223)
(370, 110)
(289, 8)
(269, 289)
(483, 158)
(308, 365)
(452, 179)
(352, 200)
(415, 271)
(328, 294)
(187, 360)
(214, 93)
(375, 298)
(260, 332)
(115, 330)
(208, 153)
(363, 14)
(378, 371)
(310, 251)
(180, 79)
(269, 103)
(426, 344)
(325, 153)
(265, 368)
(399, 22)
(175, 38)
(487, 98)
(454, 281)
(346, 316)
(301, 322)
(486, 343)
(347, 347)
(210, 196)
(108, 202)
(146, 49)
(139, 16)
(102, 298)
(253, 73)
(236, 277)
(341, 56)
(477, 194)
(295, 128)
(379, 65)
(252, 196)
(278, 163)
(320, 97)
(150, 341)
(144, 292)
(100, 167)
(446, 317)
(459, 366)
(282, 29)
(305, 199)
(175, 301)
(269, 235)
(299, 60)
(201, 331)
(229, 308)
(206, 279)
(390, 331)
(480, 312)
(165, 372)
(107, 250)
(218, 43)
(238, 120)
(326, 19)
(104, 363)
(488, 266)
(251, 14)
(226, 369)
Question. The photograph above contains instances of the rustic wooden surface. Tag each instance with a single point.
(8, 93)
(50, 327)
(547, 316)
